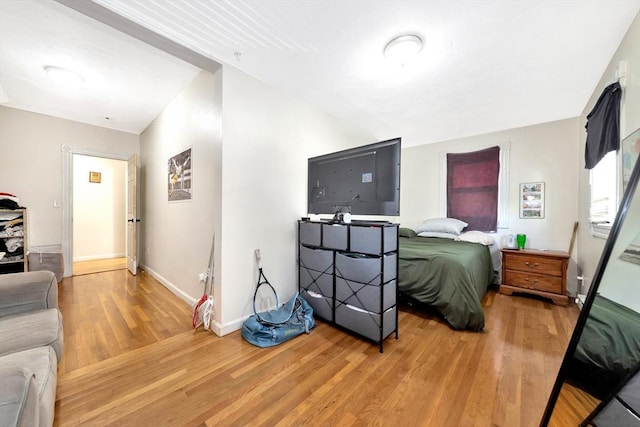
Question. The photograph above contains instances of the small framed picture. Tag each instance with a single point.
(532, 200)
(95, 177)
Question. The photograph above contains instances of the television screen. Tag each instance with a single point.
(362, 181)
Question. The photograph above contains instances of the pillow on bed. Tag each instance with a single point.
(406, 232)
(442, 225)
(438, 234)
(476, 237)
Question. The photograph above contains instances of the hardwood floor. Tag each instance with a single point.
(573, 406)
(132, 359)
(112, 313)
(98, 265)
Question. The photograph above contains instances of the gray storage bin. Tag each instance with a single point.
(365, 296)
(309, 233)
(630, 393)
(316, 259)
(615, 414)
(334, 236)
(368, 239)
(366, 269)
(46, 258)
(317, 282)
(366, 323)
(322, 306)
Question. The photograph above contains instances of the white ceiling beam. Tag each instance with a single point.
(137, 31)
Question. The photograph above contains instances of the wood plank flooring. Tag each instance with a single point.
(573, 406)
(98, 265)
(131, 358)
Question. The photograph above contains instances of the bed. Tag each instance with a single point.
(452, 276)
(609, 346)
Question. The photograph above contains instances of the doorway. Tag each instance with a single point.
(93, 240)
(99, 211)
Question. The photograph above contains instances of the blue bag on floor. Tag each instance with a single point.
(273, 327)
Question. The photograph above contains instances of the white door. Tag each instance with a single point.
(132, 214)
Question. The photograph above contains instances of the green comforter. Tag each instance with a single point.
(610, 339)
(449, 275)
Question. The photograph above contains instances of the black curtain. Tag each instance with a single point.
(603, 126)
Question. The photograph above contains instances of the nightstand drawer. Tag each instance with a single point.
(534, 264)
(533, 281)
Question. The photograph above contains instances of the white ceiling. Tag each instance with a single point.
(486, 66)
(125, 79)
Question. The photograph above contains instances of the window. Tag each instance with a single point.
(472, 188)
(603, 195)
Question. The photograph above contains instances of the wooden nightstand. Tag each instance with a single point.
(542, 273)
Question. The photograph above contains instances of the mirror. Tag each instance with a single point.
(605, 345)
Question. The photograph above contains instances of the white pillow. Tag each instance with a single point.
(476, 237)
(442, 225)
(437, 234)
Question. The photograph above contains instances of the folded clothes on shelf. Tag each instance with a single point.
(9, 201)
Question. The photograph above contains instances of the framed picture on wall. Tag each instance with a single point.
(630, 151)
(179, 177)
(95, 177)
(532, 200)
(632, 252)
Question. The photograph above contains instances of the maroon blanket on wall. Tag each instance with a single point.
(472, 188)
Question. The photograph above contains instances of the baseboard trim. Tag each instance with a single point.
(232, 326)
(101, 256)
(217, 328)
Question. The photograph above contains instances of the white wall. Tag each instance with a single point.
(541, 153)
(31, 158)
(249, 186)
(590, 248)
(99, 209)
(175, 237)
(268, 137)
(620, 279)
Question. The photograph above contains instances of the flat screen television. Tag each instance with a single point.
(361, 181)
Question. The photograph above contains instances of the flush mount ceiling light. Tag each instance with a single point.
(403, 47)
(62, 75)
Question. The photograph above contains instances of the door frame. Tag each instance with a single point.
(67, 198)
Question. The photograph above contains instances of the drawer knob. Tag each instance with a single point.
(530, 265)
(534, 281)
